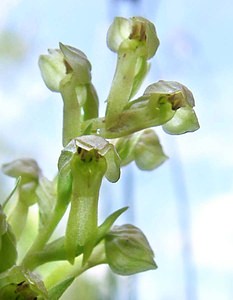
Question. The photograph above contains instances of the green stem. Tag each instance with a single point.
(18, 218)
(66, 270)
(43, 236)
(122, 85)
(55, 250)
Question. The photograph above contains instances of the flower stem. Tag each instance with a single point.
(66, 270)
(18, 218)
(43, 236)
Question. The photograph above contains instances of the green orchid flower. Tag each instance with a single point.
(89, 159)
(182, 103)
(135, 41)
(29, 173)
(68, 71)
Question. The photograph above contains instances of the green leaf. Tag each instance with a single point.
(107, 224)
(8, 252)
(56, 251)
(128, 251)
(3, 222)
(11, 193)
(46, 200)
(56, 291)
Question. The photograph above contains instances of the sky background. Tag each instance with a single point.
(185, 206)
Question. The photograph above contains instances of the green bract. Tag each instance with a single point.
(8, 252)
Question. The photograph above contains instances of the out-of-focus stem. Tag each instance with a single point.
(18, 218)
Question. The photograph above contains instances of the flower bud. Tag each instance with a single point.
(128, 251)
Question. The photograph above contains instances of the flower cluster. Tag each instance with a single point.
(94, 147)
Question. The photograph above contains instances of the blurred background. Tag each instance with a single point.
(185, 206)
